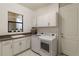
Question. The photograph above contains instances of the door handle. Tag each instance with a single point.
(61, 35)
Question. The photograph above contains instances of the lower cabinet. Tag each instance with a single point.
(13, 47)
(7, 48)
(28, 39)
(16, 46)
(20, 45)
(23, 44)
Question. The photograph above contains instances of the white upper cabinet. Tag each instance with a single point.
(47, 16)
(42, 21)
(34, 20)
(52, 19)
(46, 20)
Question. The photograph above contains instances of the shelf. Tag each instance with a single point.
(12, 17)
(14, 22)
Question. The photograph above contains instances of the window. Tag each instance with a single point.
(15, 22)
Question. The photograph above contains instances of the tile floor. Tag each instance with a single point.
(31, 53)
(28, 53)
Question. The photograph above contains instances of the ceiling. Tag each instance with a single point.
(34, 6)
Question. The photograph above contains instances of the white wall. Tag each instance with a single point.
(16, 8)
(48, 9)
(64, 4)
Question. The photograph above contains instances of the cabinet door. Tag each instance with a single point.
(28, 42)
(34, 21)
(16, 46)
(52, 19)
(23, 44)
(42, 21)
(35, 43)
(7, 48)
(0, 48)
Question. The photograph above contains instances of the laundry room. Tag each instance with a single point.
(39, 29)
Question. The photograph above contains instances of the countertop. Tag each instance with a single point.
(7, 36)
(16, 33)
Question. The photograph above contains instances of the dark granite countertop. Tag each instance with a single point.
(6, 37)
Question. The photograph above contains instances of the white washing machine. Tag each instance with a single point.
(48, 45)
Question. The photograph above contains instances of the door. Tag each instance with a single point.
(7, 48)
(68, 16)
(16, 46)
(35, 43)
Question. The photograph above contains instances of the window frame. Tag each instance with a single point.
(15, 21)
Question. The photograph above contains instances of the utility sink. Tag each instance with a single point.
(16, 36)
